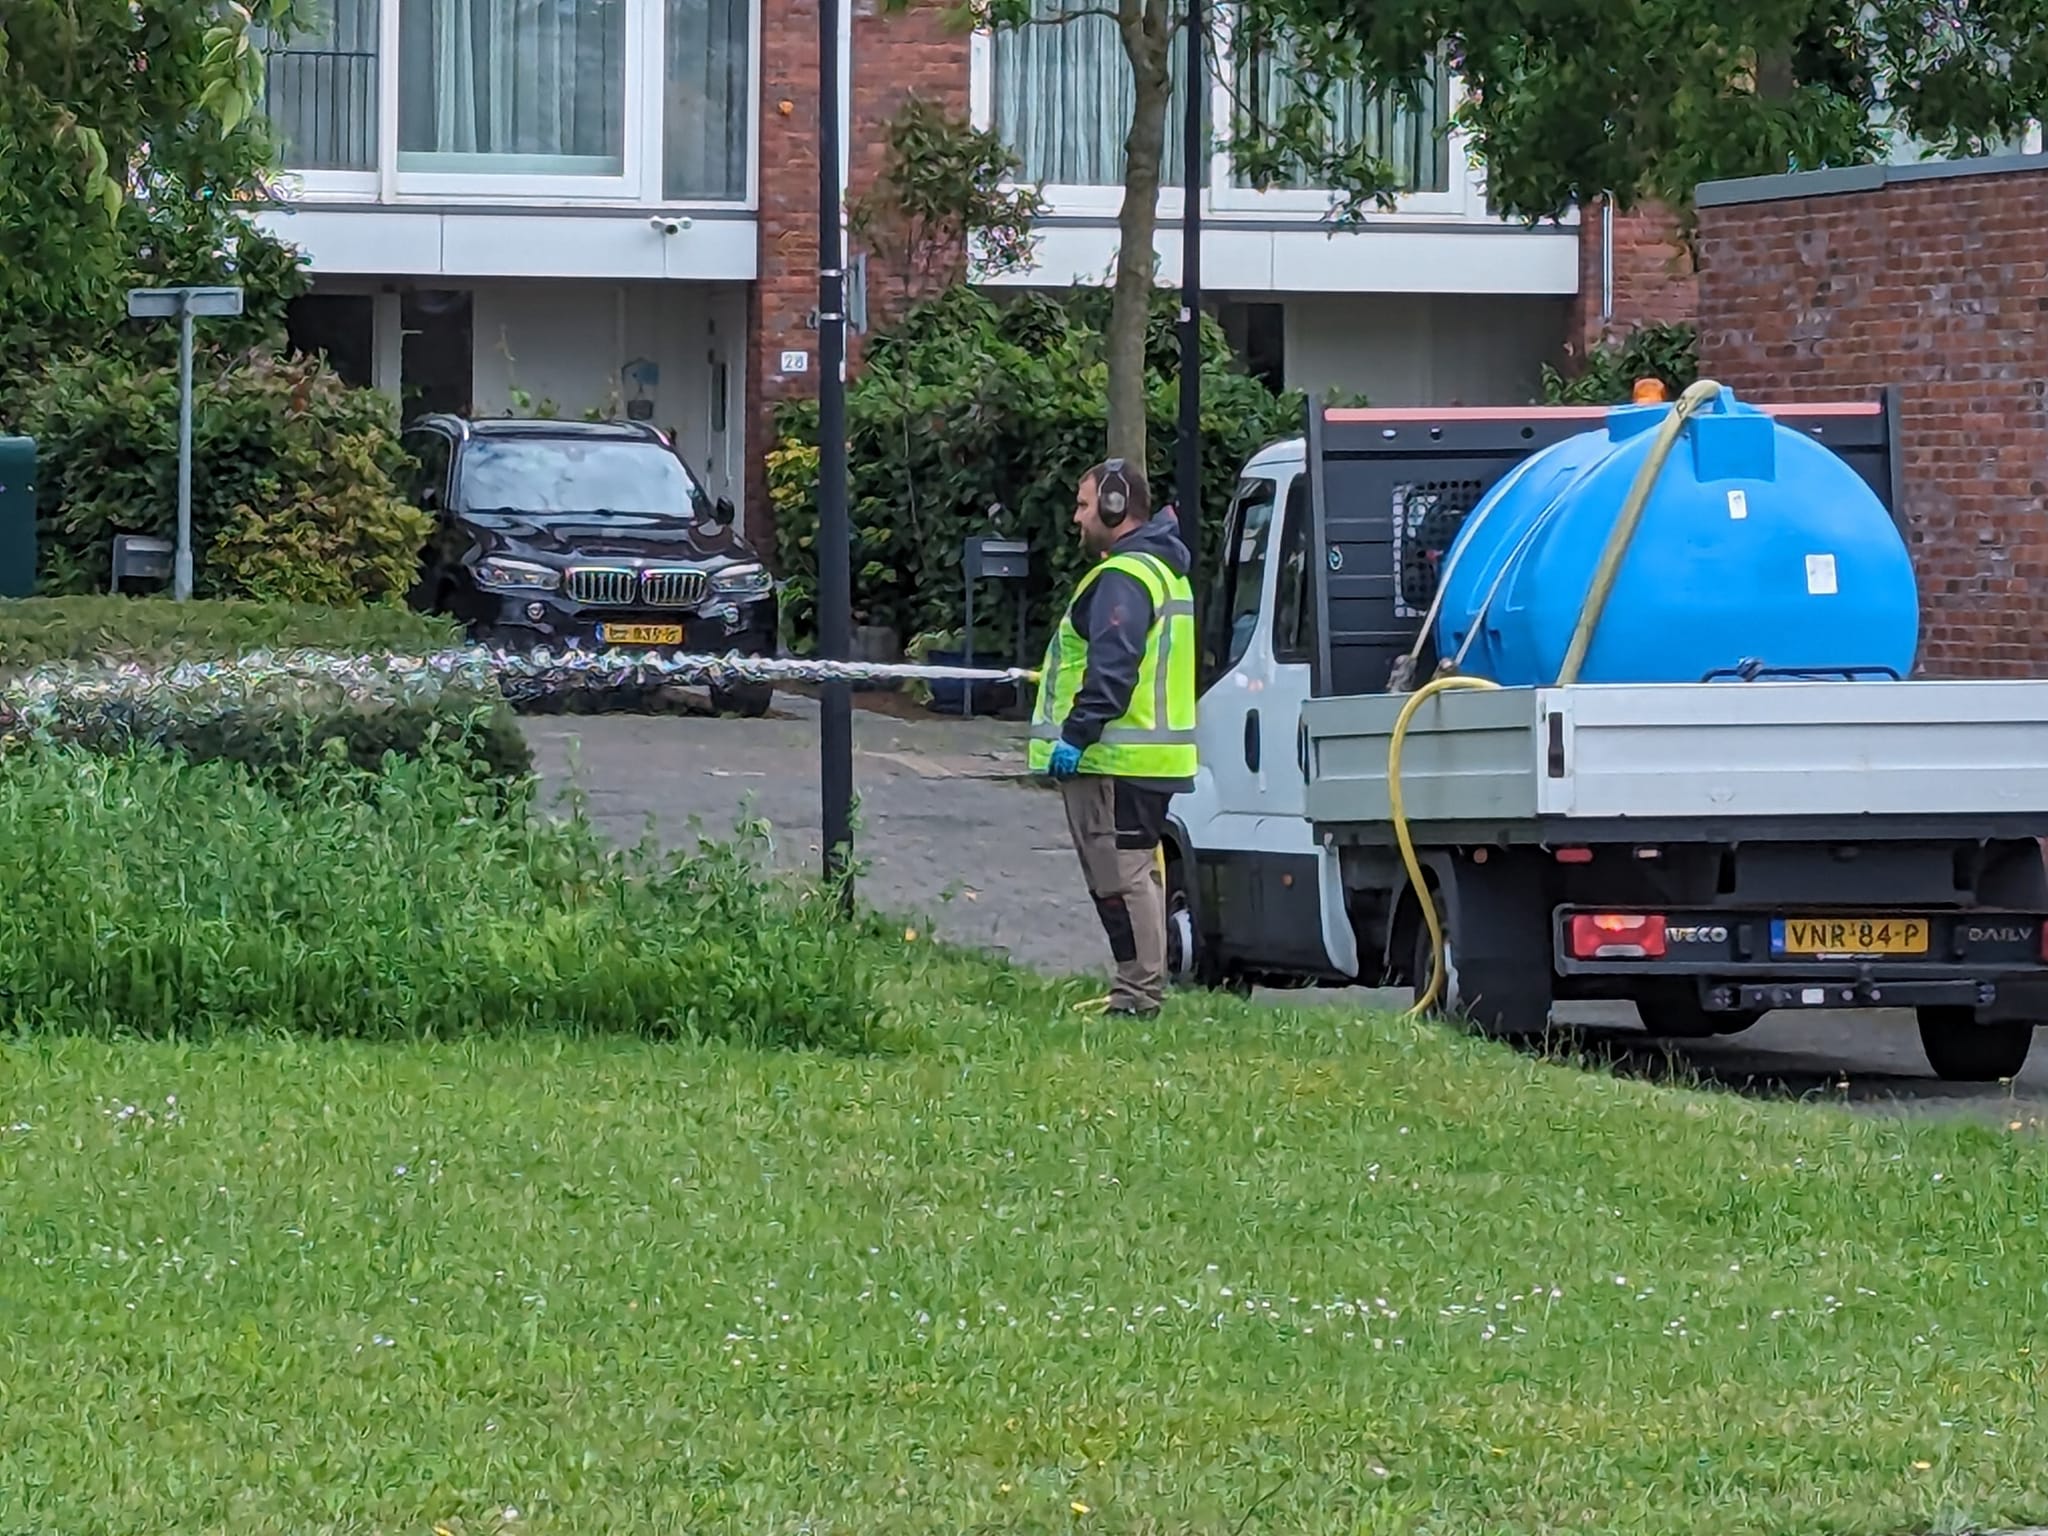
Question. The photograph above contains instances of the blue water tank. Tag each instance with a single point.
(1758, 544)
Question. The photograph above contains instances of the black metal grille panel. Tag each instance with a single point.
(1427, 517)
(673, 588)
(602, 586)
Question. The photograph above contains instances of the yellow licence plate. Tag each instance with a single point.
(640, 634)
(1827, 937)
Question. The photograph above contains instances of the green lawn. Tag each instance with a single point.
(1247, 1269)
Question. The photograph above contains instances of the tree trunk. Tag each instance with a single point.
(1147, 36)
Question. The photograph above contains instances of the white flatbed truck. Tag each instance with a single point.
(1707, 851)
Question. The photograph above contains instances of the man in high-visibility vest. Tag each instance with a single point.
(1115, 718)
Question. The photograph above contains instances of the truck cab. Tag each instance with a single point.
(1251, 895)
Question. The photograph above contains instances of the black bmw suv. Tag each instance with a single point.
(585, 535)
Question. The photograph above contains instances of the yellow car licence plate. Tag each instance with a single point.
(640, 634)
(1821, 938)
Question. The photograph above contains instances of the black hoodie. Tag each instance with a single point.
(1114, 614)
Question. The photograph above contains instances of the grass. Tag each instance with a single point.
(147, 895)
(1244, 1270)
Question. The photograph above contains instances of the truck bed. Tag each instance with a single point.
(1687, 762)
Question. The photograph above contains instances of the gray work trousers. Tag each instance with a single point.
(1116, 827)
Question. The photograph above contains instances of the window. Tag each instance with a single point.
(320, 87)
(706, 100)
(512, 87)
(1294, 595)
(1063, 97)
(561, 475)
(1241, 581)
(1412, 140)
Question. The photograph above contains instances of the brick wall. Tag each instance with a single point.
(913, 52)
(1939, 286)
(1654, 281)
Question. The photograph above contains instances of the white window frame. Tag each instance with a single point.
(1464, 199)
(639, 183)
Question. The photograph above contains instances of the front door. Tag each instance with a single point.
(1271, 897)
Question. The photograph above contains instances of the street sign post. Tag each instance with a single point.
(183, 305)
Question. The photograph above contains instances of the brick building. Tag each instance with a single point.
(1932, 278)
(609, 204)
(1635, 269)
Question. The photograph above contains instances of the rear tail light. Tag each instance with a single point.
(1617, 936)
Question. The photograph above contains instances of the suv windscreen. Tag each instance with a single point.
(550, 476)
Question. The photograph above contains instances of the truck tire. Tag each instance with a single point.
(750, 701)
(1190, 962)
(1963, 1051)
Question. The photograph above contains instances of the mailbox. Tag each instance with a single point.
(996, 559)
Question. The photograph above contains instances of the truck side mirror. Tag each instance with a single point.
(724, 512)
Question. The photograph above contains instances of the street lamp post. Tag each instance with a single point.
(1188, 438)
(184, 305)
(835, 560)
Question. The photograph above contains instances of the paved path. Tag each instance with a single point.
(944, 829)
(947, 831)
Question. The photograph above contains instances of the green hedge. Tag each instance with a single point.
(149, 629)
(1608, 373)
(478, 729)
(973, 403)
(148, 895)
(296, 477)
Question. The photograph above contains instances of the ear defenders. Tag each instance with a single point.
(1113, 488)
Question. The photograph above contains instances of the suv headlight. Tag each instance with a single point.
(743, 581)
(495, 575)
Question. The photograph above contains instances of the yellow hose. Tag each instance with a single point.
(1624, 531)
(1604, 574)
(1425, 995)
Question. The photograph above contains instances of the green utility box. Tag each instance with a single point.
(17, 516)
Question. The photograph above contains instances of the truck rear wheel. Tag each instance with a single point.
(1963, 1051)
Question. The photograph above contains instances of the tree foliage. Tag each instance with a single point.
(1564, 102)
(948, 202)
(130, 152)
(131, 155)
(977, 415)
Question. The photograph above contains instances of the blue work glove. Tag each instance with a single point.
(1066, 760)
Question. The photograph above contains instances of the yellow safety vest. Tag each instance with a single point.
(1155, 737)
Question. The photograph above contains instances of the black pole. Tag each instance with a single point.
(1188, 436)
(835, 564)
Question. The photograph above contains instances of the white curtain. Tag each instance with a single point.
(1412, 141)
(521, 85)
(704, 110)
(1064, 95)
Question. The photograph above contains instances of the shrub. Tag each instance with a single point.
(978, 415)
(295, 476)
(414, 903)
(279, 744)
(1667, 352)
(36, 630)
